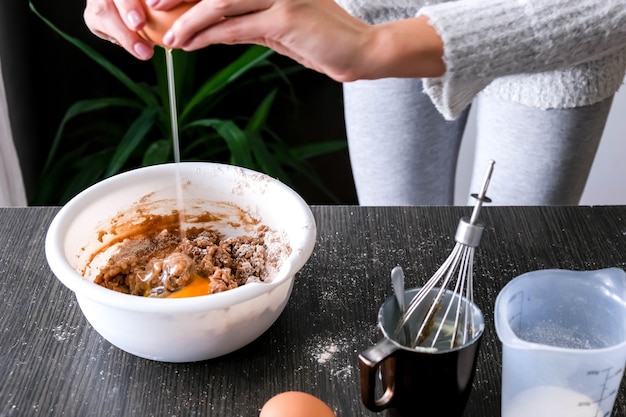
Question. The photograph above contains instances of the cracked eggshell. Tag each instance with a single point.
(158, 22)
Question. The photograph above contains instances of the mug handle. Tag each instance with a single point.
(369, 363)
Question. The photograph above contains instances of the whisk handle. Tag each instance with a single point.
(481, 197)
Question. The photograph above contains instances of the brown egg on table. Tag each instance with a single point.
(295, 404)
(160, 21)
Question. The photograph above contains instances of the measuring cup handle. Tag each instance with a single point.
(369, 363)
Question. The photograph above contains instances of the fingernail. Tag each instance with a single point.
(134, 18)
(168, 38)
(152, 3)
(143, 50)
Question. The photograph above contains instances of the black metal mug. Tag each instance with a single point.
(418, 381)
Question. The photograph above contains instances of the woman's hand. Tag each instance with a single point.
(319, 34)
(118, 21)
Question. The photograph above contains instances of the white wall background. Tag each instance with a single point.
(606, 184)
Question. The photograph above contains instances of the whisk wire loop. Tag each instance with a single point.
(457, 269)
(444, 271)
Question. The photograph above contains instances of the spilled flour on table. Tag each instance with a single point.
(334, 354)
(325, 353)
(63, 332)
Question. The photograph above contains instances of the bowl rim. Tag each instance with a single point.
(72, 279)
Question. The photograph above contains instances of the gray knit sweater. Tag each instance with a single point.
(542, 53)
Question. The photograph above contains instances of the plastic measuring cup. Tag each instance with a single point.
(563, 337)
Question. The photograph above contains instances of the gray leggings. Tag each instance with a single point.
(403, 152)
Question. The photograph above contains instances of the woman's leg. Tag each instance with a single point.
(543, 157)
(402, 151)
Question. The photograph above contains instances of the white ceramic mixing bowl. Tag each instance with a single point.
(180, 329)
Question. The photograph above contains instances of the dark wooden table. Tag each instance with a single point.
(53, 363)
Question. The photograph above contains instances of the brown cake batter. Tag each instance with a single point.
(162, 264)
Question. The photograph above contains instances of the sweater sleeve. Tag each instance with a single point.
(488, 39)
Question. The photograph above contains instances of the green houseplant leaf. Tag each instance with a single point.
(82, 107)
(254, 56)
(131, 140)
(102, 61)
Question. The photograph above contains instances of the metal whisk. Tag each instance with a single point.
(444, 317)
